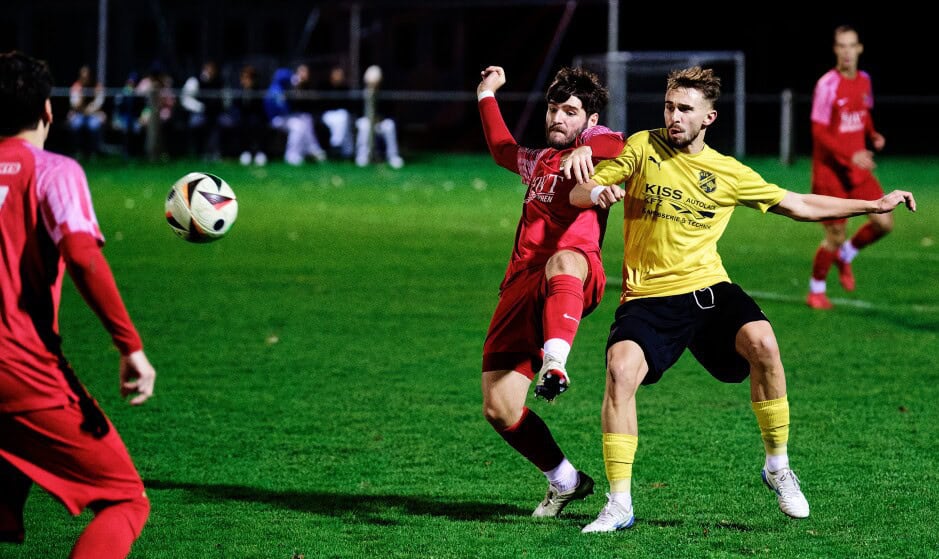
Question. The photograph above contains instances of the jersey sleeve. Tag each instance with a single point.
(603, 142)
(65, 199)
(616, 170)
(754, 192)
(869, 129)
(94, 280)
(502, 146)
(823, 101)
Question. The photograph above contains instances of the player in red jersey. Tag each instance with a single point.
(842, 164)
(555, 275)
(52, 432)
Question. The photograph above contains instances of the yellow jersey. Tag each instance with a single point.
(676, 208)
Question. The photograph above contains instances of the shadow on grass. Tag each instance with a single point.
(373, 509)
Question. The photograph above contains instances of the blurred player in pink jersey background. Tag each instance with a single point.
(842, 164)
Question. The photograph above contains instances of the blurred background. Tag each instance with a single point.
(431, 53)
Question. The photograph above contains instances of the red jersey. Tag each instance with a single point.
(549, 222)
(841, 119)
(43, 197)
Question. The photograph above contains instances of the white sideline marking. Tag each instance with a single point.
(838, 301)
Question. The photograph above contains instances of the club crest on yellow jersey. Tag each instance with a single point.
(707, 181)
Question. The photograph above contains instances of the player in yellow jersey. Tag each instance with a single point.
(678, 198)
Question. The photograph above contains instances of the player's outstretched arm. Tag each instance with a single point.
(137, 377)
(816, 207)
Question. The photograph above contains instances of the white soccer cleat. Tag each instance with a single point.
(552, 379)
(613, 517)
(786, 486)
(555, 501)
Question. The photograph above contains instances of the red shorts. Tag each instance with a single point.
(844, 183)
(515, 336)
(50, 447)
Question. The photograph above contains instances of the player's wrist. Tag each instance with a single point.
(485, 93)
(595, 194)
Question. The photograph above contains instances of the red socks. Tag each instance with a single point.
(563, 307)
(866, 235)
(532, 439)
(824, 258)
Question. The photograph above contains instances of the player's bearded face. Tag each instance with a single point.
(684, 116)
(564, 122)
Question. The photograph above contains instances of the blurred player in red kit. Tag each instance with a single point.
(555, 275)
(52, 432)
(842, 164)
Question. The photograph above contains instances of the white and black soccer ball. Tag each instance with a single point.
(201, 207)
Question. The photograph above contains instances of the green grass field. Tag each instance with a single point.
(318, 390)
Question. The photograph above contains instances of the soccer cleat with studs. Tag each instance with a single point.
(552, 379)
(555, 501)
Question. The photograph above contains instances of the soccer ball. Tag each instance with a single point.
(201, 207)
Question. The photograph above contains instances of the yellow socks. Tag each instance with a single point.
(619, 452)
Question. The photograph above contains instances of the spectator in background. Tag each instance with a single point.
(156, 89)
(288, 106)
(338, 118)
(842, 164)
(249, 119)
(374, 131)
(126, 118)
(85, 117)
(201, 97)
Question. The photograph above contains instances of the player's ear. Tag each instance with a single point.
(593, 119)
(709, 118)
(47, 113)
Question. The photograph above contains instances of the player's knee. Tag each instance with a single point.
(882, 226)
(501, 417)
(136, 512)
(386, 126)
(567, 262)
(623, 379)
(761, 351)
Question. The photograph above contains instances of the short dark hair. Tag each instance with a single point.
(25, 85)
(581, 83)
(846, 28)
(696, 77)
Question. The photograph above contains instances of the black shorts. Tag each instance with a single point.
(705, 321)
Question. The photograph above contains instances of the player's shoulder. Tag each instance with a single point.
(51, 165)
(831, 77)
(596, 131)
(57, 161)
